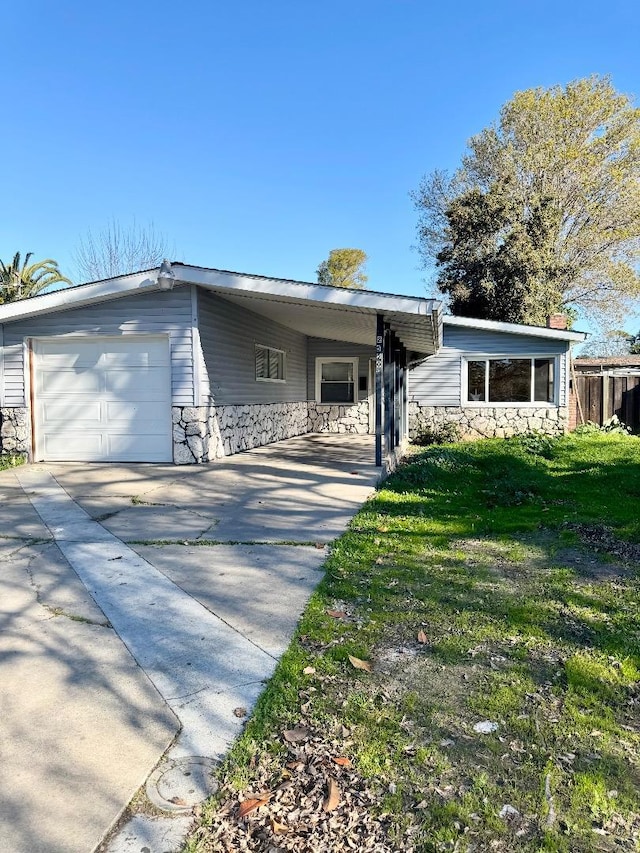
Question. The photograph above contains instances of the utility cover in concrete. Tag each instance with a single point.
(177, 786)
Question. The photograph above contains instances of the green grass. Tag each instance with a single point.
(490, 549)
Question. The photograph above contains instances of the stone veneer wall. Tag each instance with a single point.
(14, 430)
(489, 422)
(203, 433)
(210, 432)
(342, 418)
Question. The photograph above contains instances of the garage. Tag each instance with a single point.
(101, 399)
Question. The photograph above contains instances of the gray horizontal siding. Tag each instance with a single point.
(324, 348)
(436, 381)
(500, 343)
(144, 313)
(228, 335)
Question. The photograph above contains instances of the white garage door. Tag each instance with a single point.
(102, 399)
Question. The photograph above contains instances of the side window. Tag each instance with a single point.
(270, 364)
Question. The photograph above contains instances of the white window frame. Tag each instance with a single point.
(486, 404)
(270, 349)
(331, 360)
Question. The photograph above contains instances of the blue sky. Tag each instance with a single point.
(260, 134)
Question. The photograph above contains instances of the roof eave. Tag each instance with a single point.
(304, 291)
(68, 298)
(514, 328)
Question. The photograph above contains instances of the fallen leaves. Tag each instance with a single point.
(332, 799)
(364, 665)
(300, 733)
(321, 803)
(239, 712)
(337, 614)
(422, 637)
(250, 805)
(278, 828)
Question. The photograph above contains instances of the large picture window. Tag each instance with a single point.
(511, 380)
(270, 364)
(336, 380)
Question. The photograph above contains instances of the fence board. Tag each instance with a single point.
(602, 396)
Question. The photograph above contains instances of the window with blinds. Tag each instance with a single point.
(270, 364)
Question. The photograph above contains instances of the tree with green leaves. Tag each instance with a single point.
(20, 280)
(344, 268)
(612, 342)
(543, 214)
(633, 342)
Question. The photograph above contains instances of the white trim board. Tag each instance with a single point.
(514, 328)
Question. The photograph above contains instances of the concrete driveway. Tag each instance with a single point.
(140, 606)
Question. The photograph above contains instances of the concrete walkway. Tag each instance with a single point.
(204, 619)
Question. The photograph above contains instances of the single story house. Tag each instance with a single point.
(189, 364)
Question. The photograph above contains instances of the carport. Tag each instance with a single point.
(402, 329)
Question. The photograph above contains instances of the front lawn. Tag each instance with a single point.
(492, 588)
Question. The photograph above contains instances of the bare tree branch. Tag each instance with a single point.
(117, 250)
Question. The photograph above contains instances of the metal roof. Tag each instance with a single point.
(316, 310)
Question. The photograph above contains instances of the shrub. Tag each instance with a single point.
(445, 433)
(613, 426)
(10, 460)
(536, 443)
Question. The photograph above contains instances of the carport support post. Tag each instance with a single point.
(404, 392)
(397, 399)
(388, 391)
(378, 396)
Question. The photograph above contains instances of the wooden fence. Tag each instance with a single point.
(605, 395)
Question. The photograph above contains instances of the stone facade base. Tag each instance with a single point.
(14, 430)
(342, 419)
(489, 422)
(204, 433)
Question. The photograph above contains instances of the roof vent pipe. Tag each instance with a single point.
(166, 276)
